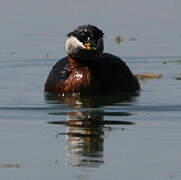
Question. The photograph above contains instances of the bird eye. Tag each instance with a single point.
(81, 36)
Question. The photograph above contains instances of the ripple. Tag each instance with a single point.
(86, 123)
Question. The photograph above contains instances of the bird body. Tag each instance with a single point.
(107, 74)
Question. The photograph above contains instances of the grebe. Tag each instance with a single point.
(86, 69)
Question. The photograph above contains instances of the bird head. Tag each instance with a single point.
(85, 42)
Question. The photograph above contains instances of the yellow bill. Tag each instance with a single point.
(88, 47)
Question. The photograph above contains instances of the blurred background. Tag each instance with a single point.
(38, 28)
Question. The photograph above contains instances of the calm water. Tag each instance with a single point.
(99, 137)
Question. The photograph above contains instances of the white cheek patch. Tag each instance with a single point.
(73, 45)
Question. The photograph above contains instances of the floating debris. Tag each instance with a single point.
(172, 61)
(149, 76)
(119, 39)
(10, 166)
(178, 77)
(13, 53)
(132, 39)
(110, 128)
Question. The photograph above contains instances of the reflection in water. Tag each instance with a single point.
(85, 139)
(91, 101)
(85, 126)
